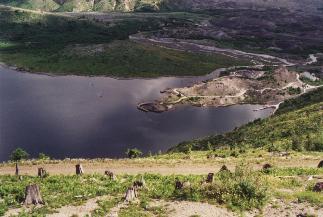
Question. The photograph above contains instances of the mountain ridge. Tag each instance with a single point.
(309, 6)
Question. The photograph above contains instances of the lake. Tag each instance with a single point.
(88, 117)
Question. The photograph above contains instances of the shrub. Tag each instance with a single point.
(42, 156)
(241, 190)
(19, 154)
(133, 153)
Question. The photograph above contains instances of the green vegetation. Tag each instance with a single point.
(241, 190)
(298, 130)
(19, 154)
(42, 156)
(309, 98)
(294, 91)
(65, 45)
(133, 153)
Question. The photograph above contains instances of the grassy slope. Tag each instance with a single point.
(300, 129)
(315, 96)
(241, 190)
(39, 42)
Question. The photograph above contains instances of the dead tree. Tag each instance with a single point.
(320, 164)
(110, 175)
(41, 172)
(32, 195)
(17, 169)
(79, 169)
(131, 194)
(210, 178)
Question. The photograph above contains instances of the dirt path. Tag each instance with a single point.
(164, 167)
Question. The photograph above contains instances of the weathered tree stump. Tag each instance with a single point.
(17, 170)
(210, 178)
(224, 168)
(32, 195)
(41, 172)
(139, 184)
(266, 167)
(178, 184)
(110, 175)
(318, 187)
(79, 169)
(131, 194)
(320, 164)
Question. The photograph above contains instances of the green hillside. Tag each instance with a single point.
(300, 129)
(61, 44)
(45, 5)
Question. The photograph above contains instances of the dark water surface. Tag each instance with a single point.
(74, 116)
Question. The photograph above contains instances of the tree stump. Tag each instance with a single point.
(79, 169)
(224, 168)
(139, 184)
(320, 164)
(210, 178)
(110, 175)
(32, 195)
(318, 187)
(17, 170)
(267, 167)
(178, 184)
(41, 172)
(131, 194)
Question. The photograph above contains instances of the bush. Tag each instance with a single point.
(241, 190)
(133, 153)
(19, 154)
(42, 156)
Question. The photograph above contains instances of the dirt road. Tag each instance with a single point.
(164, 167)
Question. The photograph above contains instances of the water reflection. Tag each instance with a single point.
(73, 116)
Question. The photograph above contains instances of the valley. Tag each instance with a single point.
(161, 108)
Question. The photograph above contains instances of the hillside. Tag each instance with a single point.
(297, 128)
(90, 47)
(313, 6)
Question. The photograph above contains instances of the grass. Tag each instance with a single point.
(243, 189)
(302, 101)
(58, 44)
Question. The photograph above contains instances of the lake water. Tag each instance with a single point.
(76, 116)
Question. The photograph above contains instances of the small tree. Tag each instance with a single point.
(19, 154)
(133, 153)
(42, 156)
